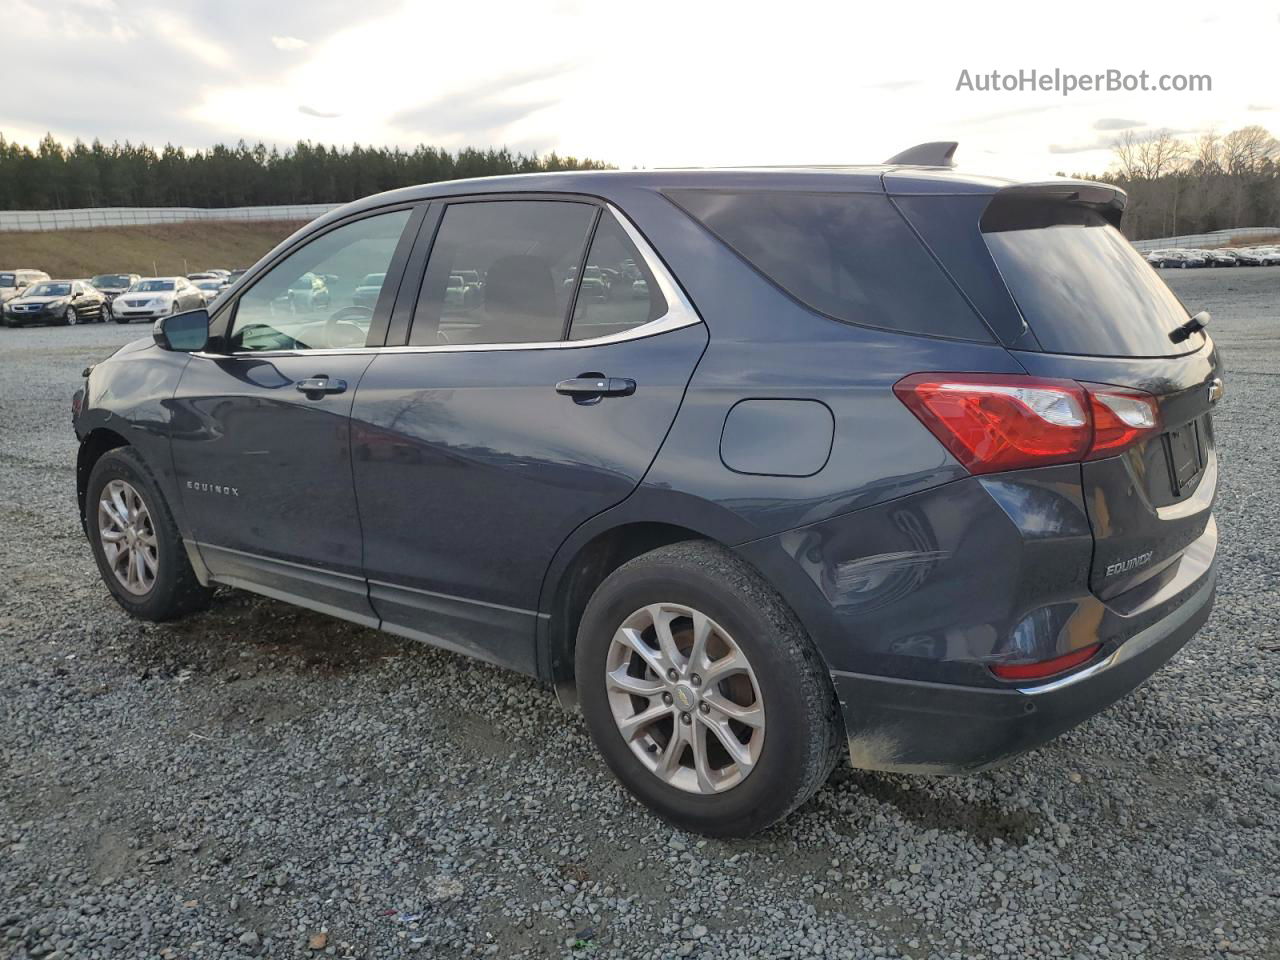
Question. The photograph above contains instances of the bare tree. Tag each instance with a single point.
(1208, 154)
(1149, 156)
(1246, 151)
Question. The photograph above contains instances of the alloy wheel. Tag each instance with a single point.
(128, 537)
(685, 698)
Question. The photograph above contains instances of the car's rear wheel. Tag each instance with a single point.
(703, 692)
(136, 541)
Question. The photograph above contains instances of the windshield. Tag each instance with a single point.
(49, 290)
(111, 280)
(1082, 287)
(373, 280)
(151, 286)
(209, 284)
(8, 280)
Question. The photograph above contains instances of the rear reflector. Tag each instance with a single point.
(997, 422)
(1045, 668)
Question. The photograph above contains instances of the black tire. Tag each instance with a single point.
(176, 591)
(803, 733)
(70, 318)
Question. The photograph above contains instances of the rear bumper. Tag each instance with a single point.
(910, 726)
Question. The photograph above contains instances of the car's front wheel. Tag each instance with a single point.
(70, 318)
(136, 541)
(703, 692)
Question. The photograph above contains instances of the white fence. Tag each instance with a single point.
(1203, 241)
(34, 220)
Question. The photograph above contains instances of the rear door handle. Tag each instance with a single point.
(592, 385)
(316, 387)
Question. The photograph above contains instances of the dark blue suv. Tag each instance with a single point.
(755, 466)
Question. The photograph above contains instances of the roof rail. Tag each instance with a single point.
(938, 153)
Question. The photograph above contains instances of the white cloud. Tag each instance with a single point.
(288, 43)
(182, 34)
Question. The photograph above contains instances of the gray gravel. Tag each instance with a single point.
(261, 781)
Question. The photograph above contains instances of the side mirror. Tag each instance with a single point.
(182, 332)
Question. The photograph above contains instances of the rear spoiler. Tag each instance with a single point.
(1107, 200)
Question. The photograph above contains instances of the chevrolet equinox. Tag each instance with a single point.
(755, 467)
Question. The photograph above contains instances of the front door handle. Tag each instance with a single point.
(591, 385)
(317, 387)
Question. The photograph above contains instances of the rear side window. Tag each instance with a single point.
(617, 292)
(847, 255)
(502, 271)
(1081, 286)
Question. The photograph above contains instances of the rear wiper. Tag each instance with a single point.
(1194, 325)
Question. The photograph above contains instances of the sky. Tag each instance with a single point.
(641, 84)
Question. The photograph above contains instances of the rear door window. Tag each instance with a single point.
(502, 271)
(850, 256)
(618, 292)
(1081, 286)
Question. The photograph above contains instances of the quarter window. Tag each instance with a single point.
(850, 256)
(309, 300)
(502, 271)
(618, 291)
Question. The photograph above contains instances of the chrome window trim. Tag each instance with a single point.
(680, 313)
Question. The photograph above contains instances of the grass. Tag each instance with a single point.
(154, 250)
(1247, 240)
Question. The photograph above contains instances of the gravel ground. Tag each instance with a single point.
(260, 780)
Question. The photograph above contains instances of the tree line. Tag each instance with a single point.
(1180, 185)
(54, 176)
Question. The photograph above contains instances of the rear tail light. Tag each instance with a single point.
(1045, 668)
(996, 422)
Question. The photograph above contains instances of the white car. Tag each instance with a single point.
(156, 297)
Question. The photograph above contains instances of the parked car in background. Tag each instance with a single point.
(55, 301)
(156, 297)
(305, 294)
(366, 293)
(111, 285)
(236, 274)
(13, 282)
(210, 287)
(203, 275)
(1217, 258)
(835, 484)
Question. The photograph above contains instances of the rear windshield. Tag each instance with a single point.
(850, 256)
(1081, 286)
(8, 280)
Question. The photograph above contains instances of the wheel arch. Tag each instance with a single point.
(579, 567)
(95, 444)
